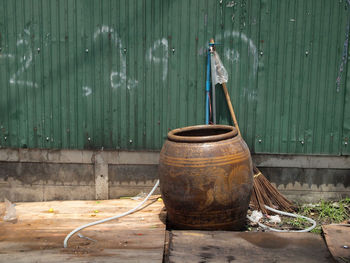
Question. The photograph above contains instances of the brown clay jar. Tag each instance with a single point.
(206, 178)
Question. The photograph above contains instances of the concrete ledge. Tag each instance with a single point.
(77, 156)
(302, 161)
(42, 175)
(144, 157)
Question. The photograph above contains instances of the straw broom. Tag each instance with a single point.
(264, 193)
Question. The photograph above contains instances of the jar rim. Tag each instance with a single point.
(188, 134)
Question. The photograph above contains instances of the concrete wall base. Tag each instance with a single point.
(43, 175)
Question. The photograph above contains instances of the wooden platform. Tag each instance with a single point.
(224, 246)
(39, 232)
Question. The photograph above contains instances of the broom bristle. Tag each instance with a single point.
(264, 193)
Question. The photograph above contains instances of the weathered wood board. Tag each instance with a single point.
(338, 241)
(224, 246)
(38, 234)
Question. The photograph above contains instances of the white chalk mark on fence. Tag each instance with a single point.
(230, 4)
(160, 43)
(103, 29)
(117, 78)
(251, 46)
(7, 56)
(25, 61)
(87, 91)
(231, 55)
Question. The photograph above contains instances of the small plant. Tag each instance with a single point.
(327, 211)
(306, 210)
(324, 212)
(332, 212)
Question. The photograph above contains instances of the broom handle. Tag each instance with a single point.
(233, 115)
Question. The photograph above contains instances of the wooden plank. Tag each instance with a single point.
(338, 241)
(224, 246)
(38, 234)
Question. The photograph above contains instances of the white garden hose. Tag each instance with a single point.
(286, 214)
(65, 243)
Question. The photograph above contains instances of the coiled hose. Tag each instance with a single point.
(286, 214)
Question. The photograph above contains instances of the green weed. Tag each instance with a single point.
(330, 212)
(297, 223)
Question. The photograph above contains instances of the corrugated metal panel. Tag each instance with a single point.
(239, 53)
(345, 142)
(299, 108)
(120, 74)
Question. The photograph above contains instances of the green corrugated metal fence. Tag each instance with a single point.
(299, 108)
(119, 74)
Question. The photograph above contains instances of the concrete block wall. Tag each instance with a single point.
(43, 175)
